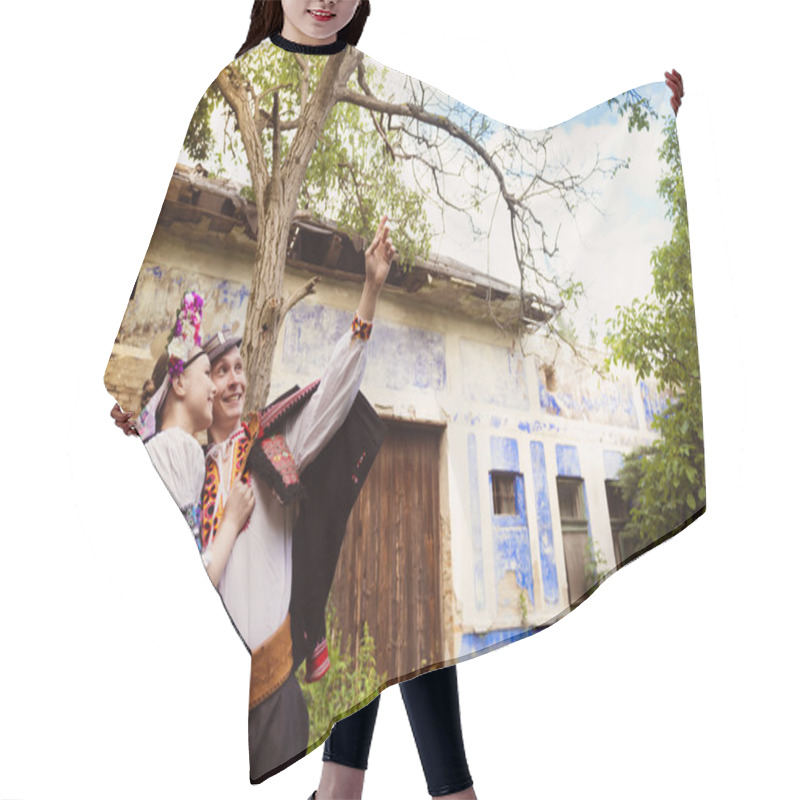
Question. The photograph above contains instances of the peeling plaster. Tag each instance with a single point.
(568, 464)
(493, 375)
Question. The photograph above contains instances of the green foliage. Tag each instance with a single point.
(639, 108)
(571, 293)
(523, 609)
(593, 331)
(566, 328)
(200, 142)
(351, 179)
(344, 683)
(664, 483)
(594, 563)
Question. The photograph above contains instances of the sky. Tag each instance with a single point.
(606, 244)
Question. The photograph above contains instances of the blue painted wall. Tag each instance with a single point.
(310, 334)
(578, 398)
(399, 356)
(403, 356)
(511, 539)
(504, 454)
(568, 464)
(160, 290)
(475, 642)
(612, 462)
(232, 294)
(653, 403)
(544, 524)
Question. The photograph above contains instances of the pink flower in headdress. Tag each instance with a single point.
(186, 332)
(175, 366)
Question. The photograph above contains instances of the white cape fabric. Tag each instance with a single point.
(532, 368)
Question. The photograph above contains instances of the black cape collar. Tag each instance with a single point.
(308, 49)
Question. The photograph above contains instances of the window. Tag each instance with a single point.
(511, 544)
(570, 500)
(617, 510)
(618, 516)
(503, 493)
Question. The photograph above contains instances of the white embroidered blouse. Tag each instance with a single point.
(178, 459)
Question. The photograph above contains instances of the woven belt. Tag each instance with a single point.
(271, 664)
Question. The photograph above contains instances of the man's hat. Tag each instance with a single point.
(219, 343)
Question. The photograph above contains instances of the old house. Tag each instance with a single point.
(492, 507)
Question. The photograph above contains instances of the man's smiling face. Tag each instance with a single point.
(227, 372)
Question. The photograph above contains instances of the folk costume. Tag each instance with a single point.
(179, 460)
(512, 468)
(176, 454)
(314, 445)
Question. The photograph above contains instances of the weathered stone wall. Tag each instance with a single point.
(538, 414)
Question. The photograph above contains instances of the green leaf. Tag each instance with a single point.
(656, 337)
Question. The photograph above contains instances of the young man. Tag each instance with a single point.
(317, 444)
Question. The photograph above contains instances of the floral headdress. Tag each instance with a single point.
(184, 336)
(185, 333)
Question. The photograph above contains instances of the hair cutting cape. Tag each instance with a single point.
(523, 419)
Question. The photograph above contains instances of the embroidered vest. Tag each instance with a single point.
(257, 447)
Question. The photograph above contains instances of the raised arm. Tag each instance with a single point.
(316, 423)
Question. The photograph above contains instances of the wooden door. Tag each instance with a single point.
(389, 572)
(575, 534)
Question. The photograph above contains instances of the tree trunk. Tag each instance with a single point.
(276, 206)
(265, 306)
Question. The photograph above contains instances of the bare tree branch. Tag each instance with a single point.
(309, 287)
(447, 140)
(229, 82)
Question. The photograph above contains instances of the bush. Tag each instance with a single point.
(346, 687)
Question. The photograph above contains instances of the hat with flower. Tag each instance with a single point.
(184, 337)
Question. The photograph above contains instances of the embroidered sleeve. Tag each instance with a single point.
(192, 515)
(316, 423)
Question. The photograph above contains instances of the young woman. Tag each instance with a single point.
(180, 407)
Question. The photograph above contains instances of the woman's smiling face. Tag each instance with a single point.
(198, 391)
(316, 21)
